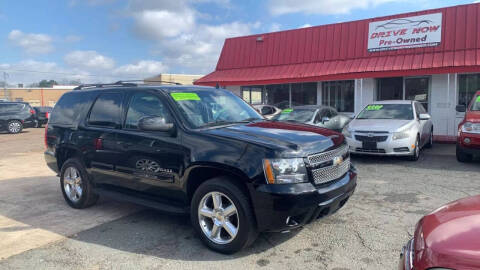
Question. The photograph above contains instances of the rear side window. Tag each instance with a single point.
(69, 108)
(11, 107)
(106, 111)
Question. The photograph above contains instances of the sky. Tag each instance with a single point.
(110, 40)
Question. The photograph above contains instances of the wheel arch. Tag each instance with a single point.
(200, 173)
(64, 153)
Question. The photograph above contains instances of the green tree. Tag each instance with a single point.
(45, 83)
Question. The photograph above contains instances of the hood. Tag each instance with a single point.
(451, 234)
(388, 125)
(291, 138)
(473, 116)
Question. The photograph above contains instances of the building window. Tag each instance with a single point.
(417, 89)
(278, 95)
(390, 88)
(252, 94)
(339, 95)
(468, 85)
(399, 88)
(304, 93)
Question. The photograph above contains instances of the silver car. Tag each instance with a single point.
(397, 128)
(316, 115)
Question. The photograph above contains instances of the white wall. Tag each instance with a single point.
(235, 89)
(364, 93)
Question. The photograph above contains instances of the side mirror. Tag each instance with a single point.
(153, 123)
(325, 119)
(424, 116)
(460, 108)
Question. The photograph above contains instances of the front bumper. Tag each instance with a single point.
(406, 256)
(390, 147)
(289, 206)
(473, 145)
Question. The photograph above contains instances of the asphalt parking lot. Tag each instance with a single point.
(39, 230)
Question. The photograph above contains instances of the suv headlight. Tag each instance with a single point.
(346, 132)
(285, 171)
(469, 127)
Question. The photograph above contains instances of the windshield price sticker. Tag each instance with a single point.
(184, 96)
(287, 111)
(374, 107)
(478, 99)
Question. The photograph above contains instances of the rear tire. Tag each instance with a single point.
(76, 186)
(462, 156)
(430, 141)
(14, 126)
(243, 220)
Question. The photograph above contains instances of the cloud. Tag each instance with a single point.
(89, 60)
(275, 27)
(306, 25)
(280, 7)
(145, 68)
(179, 38)
(31, 43)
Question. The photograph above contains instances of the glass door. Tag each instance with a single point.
(418, 89)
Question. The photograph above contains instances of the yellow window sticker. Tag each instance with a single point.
(184, 96)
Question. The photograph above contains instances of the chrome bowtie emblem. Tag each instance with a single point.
(337, 161)
(370, 135)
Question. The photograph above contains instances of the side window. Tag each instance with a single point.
(333, 113)
(107, 110)
(267, 110)
(143, 105)
(418, 109)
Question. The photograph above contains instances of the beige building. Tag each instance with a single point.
(185, 79)
(36, 96)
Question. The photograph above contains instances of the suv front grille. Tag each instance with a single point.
(328, 156)
(330, 173)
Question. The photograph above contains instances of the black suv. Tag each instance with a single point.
(14, 116)
(197, 150)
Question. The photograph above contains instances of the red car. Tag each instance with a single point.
(468, 139)
(448, 238)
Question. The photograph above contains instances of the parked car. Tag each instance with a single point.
(41, 115)
(197, 150)
(15, 116)
(468, 139)
(446, 239)
(286, 104)
(268, 111)
(397, 128)
(316, 115)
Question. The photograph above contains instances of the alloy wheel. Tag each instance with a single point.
(218, 217)
(14, 127)
(147, 165)
(72, 184)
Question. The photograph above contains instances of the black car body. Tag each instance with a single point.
(41, 115)
(14, 116)
(165, 169)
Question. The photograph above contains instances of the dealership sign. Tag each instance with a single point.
(402, 33)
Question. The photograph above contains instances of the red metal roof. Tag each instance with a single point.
(339, 51)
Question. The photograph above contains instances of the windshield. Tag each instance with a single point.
(476, 104)
(387, 111)
(296, 115)
(202, 108)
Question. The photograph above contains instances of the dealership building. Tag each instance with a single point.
(431, 56)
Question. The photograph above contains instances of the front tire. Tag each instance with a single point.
(222, 216)
(430, 141)
(416, 152)
(14, 126)
(75, 183)
(462, 156)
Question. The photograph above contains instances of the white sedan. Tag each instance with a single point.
(397, 128)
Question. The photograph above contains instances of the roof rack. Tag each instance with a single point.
(119, 83)
(102, 85)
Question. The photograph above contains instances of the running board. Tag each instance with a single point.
(120, 196)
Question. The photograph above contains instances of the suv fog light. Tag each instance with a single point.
(466, 140)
